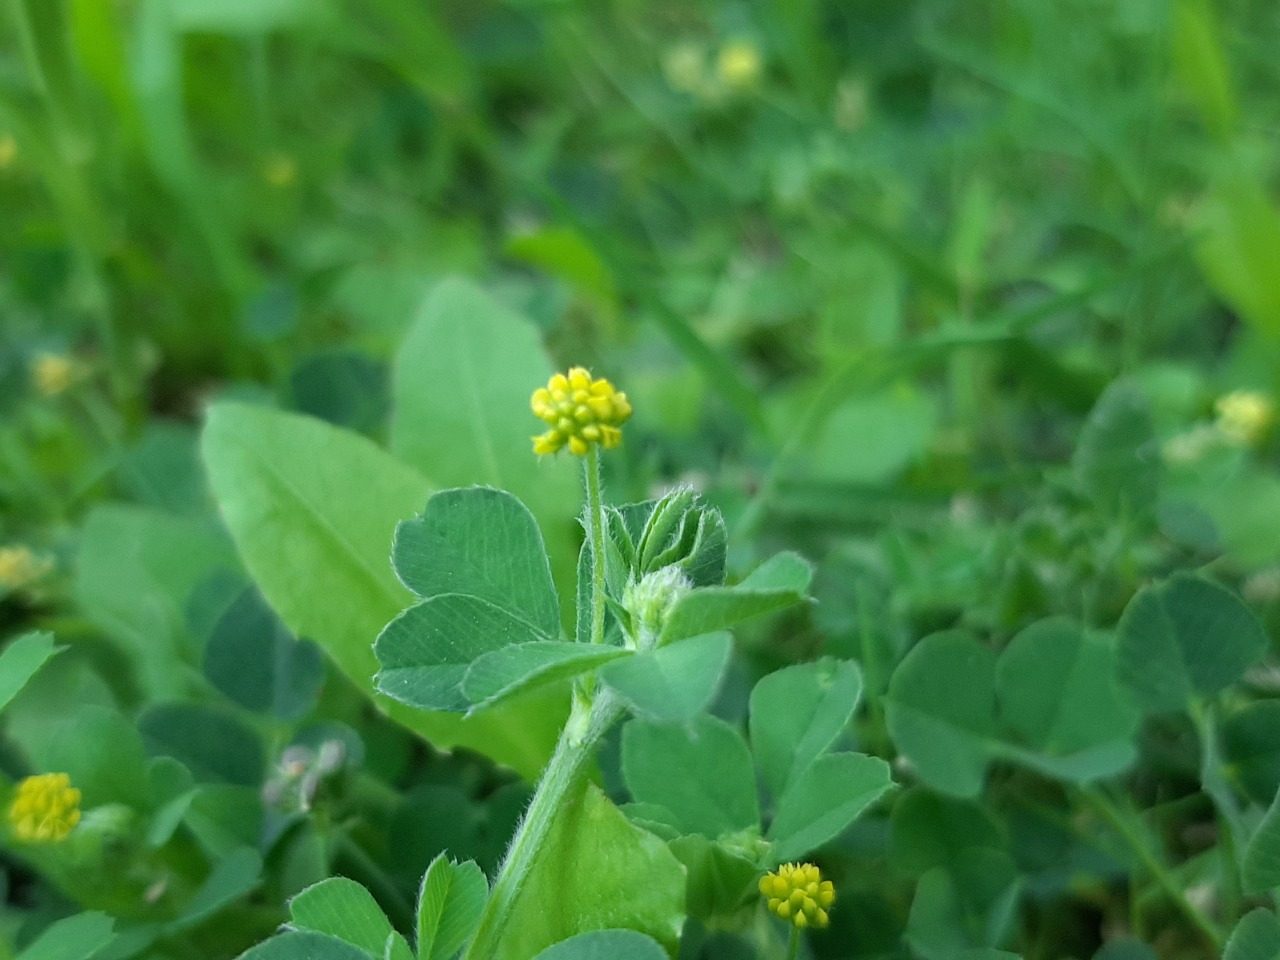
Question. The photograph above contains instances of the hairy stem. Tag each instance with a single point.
(586, 725)
(595, 525)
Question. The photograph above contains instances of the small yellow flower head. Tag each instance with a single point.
(20, 568)
(45, 808)
(797, 893)
(739, 64)
(580, 411)
(1245, 416)
(52, 373)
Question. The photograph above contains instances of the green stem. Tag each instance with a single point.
(585, 727)
(793, 951)
(595, 523)
(1137, 843)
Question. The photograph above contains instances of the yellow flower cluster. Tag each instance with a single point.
(797, 893)
(739, 64)
(580, 412)
(20, 568)
(45, 808)
(1245, 416)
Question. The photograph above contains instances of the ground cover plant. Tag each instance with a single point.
(619, 480)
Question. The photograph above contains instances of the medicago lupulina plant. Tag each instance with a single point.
(583, 877)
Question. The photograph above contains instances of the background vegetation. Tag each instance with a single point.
(944, 295)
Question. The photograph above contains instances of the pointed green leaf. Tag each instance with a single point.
(796, 715)
(344, 909)
(828, 796)
(480, 542)
(702, 773)
(523, 666)
(780, 582)
(672, 684)
(1184, 638)
(449, 906)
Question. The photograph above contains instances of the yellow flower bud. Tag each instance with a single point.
(797, 893)
(280, 170)
(44, 808)
(1245, 416)
(580, 412)
(20, 568)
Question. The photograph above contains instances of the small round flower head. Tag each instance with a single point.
(52, 373)
(44, 808)
(20, 568)
(739, 64)
(1244, 416)
(580, 412)
(797, 893)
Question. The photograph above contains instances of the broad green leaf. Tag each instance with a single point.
(1185, 638)
(137, 568)
(1117, 458)
(796, 715)
(304, 945)
(231, 878)
(450, 902)
(312, 510)
(461, 386)
(102, 753)
(20, 660)
(596, 871)
(211, 741)
(1056, 688)
(606, 945)
(1260, 870)
(940, 710)
(479, 542)
(426, 651)
(1239, 249)
(1256, 937)
(1251, 748)
(672, 684)
(73, 938)
(344, 909)
(825, 798)
(781, 581)
(702, 773)
(1125, 948)
(870, 438)
(252, 658)
(1201, 65)
(515, 669)
(928, 830)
